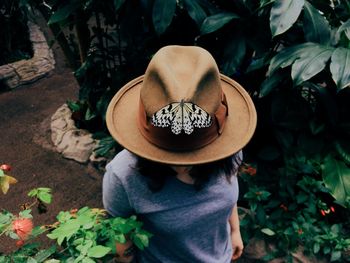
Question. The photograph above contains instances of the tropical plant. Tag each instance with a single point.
(82, 235)
(290, 217)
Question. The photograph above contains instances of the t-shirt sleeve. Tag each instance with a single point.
(114, 197)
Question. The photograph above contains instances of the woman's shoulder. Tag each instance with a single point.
(123, 165)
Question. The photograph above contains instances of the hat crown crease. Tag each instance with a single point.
(188, 74)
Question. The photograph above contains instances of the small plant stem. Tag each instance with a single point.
(6, 229)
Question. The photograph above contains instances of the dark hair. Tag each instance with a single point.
(157, 173)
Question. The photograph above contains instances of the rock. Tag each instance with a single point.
(73, 143)
(77, 144)
(61, 122)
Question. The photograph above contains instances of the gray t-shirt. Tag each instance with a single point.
(188, 225)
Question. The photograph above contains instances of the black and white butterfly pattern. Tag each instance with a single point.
(181, 116)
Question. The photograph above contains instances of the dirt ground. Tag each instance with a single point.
(25, 145)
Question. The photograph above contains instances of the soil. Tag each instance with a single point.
(25, 145)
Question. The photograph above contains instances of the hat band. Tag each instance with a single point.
(165, 138)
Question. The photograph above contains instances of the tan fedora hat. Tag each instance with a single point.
(182, 111)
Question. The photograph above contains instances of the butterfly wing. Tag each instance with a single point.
(198, 117)
(166, 115)
(177, 123)
(181, 116)
(187, 124)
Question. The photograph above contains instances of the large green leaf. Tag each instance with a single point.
(316, 26)
(195, 11)
(271, 83)
(343, 149)
(340, 67)
(63, 12)
(336, 176)
(98, 251)
(283, 15)
(44, 254)
(118, 4)
(309, 64)
(288, 55)
(215, 22)
(233, 54)
(345, 27)
(162, 15)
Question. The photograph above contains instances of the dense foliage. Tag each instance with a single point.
(84, 235)
(14, 41)
(292, 56)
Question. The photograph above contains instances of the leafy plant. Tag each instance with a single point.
(82, 235)
(293, 216)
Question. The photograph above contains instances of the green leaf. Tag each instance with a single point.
(45, 197)
(38, 230)
(345, 27)
(283, 15)
(5, 259)
(140, 240)
(268, 231)
(316, 26)
(234, 54)
(336, 176)
(340, 67)
(2, 173)
(215, 22)
(74, 106)
(195, 11)
(316, 248)
(336, 255)
(44, 254)
(120, 238)
(31, 260)
(63, 216)
(343, 148)
(26, 213)
(98, 251)
(5, 217)
(288, 55)
(261, 215)
(63, 12)
(87, 260)
(13, 235)
(162, 15)
(105, 145)
(309, 65)
(65, 230)
(118, 4)
(89, 114)
(270, 83)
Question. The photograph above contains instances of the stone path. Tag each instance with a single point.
(24, 144)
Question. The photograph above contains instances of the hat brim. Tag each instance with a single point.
(122, 114)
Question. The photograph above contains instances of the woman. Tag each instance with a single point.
(183, 125)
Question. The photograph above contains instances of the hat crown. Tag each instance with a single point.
(181, 73)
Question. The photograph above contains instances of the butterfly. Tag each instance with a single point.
(181, 116)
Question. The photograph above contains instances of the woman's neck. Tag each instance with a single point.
(186, 178)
